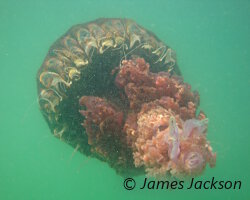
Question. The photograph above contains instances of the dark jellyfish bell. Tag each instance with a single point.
(82, 64)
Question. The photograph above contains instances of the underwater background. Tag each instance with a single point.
(212, 42)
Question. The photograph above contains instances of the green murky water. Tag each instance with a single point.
(212, 42)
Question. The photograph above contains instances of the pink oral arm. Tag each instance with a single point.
(191, 124)
(174, 145)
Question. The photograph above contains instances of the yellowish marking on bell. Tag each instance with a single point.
(107, 43)
(46, 78)
(69, 42)
(80, 62)
(54, 62)
(133, 39)
(170, 54)
(119, 40)
(74, 73)
(147, 46)
(159, 51)
(109, 35)
(49, 79)
(89, 45)
(51, 100)
(67, 53)
(59, 133)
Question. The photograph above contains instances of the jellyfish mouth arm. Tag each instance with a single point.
(191, 124)
(172, 138)
(101, 113)
(174, 149)
(173, 129)
(194, 161)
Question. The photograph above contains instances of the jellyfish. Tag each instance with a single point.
(114, 91)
